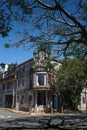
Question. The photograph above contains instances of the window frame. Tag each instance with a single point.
(37, 78)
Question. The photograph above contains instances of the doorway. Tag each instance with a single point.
(8, 100)
(41, 98)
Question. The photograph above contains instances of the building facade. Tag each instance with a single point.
(83, 102)
(28, 86)
(8, 86)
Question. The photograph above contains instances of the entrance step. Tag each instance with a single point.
(40, 108)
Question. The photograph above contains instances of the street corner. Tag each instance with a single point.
(15, 111)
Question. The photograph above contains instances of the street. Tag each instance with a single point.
(8, 115)
(13, 121)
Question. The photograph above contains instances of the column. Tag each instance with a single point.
(13, 101)
(36, 101)
(46, 109)
(17, 97)
(3, 99)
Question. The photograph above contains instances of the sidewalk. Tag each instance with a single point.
(23, 112)
(15, 111)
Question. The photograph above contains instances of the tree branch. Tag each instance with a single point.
(71, 40)
(62, 21)
(45, 5)
(60, 8)
(68, 34)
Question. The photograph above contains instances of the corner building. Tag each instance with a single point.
(28, 86)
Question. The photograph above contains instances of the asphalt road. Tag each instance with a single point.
(13, 121)
(9, 115)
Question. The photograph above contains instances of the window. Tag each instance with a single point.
(41, 79)
(22, 99)
(23, 82)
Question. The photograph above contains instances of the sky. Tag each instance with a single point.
(14, 55)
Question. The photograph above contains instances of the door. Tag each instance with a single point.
(8, 101)
(41, 99)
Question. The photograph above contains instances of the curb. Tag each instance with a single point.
(15, 111)
(23, 112)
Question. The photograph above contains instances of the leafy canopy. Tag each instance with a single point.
(59, 22)
(70, 80)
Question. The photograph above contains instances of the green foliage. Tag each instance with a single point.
(46, 47)
(49, 64)
(7, 45)
(34, 65)
(60, 23)
(71, 79)
(76, 51)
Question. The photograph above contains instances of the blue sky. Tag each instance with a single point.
(13, 55)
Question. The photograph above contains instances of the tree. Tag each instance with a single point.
(76, 51)
(59, 22)
(46, 47)
(71, 78)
